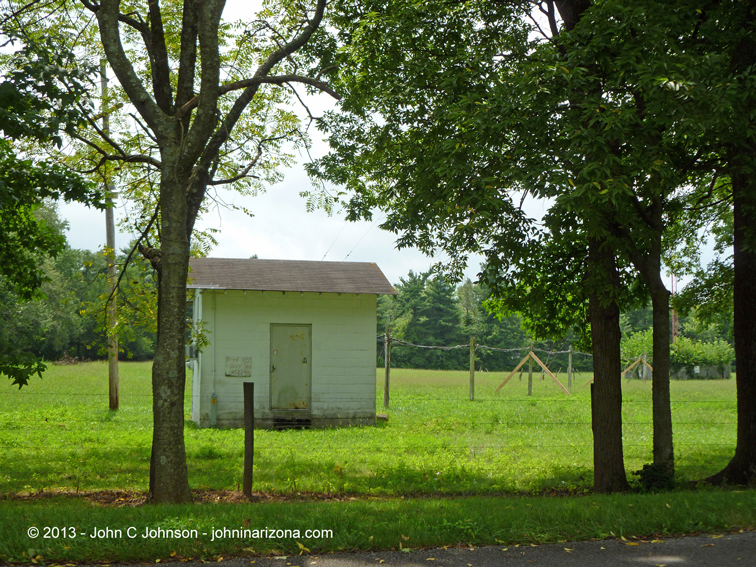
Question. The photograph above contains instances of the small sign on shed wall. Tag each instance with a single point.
(239, 366)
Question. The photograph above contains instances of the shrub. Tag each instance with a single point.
(686, 352)
(638, 344)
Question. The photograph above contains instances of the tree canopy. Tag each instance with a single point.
(619, 113)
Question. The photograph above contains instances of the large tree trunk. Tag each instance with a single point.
(169, 481)
(606, 394)
(742, 468)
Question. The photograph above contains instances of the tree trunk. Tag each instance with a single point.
(742, 468)
(649, 266)
(648, 263)
(169, 480)
(606, 394)
(664, 455)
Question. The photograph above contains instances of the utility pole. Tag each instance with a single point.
(111, 313)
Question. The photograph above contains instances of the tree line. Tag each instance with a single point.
(429, 311)
(66, 320)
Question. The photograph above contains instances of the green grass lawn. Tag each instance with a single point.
(362, 524)
(58, 434)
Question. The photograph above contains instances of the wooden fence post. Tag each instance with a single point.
(530, 375)
(387, 367)
(645, 373)
(472, 369)
(569, 370)
(249, 436)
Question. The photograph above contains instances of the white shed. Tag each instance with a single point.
(303, 332)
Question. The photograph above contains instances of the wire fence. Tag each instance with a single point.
(476, 346)
(102, 450)
(47, 437)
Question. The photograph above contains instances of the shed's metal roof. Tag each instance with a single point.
(288, 275)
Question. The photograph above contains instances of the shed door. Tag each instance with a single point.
(290, 366)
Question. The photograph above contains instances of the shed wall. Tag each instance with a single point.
(343, 355)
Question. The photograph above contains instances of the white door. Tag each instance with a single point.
(290, 366)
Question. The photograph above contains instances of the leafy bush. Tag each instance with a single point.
(686, 352)
(638, 344)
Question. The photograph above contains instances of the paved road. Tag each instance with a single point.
(725, 550)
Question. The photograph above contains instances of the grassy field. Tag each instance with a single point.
(59, 434)
(474, 458)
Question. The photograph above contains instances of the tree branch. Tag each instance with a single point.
(161, 74)
(307, 109)
(143, 127)
(136, 24)
(256, 81)
(325, 70)
(197, 192)
(540, 29)
(14, 15)
(107, 18)
(121, 156)
(137, 246)
(550, 14)
(187, 57)
(249, 166)
(203, 126)
(235, 178)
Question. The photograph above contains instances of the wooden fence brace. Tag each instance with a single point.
(522, 363)
(249, 436)
(538, 360)
(629, 368)
(472, 369)
(640, 359)
(647, 367)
